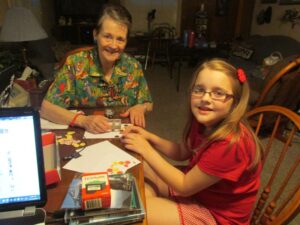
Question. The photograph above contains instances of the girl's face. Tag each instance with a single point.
(111, 39)
(210, 108)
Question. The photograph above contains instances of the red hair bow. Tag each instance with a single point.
(241, 75)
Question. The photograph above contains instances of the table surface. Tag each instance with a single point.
(57, 192)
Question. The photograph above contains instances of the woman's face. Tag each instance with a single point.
(207, 111)
(111, 39)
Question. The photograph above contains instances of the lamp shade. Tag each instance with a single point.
(20, 25)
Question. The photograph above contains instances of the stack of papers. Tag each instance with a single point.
(126, 207)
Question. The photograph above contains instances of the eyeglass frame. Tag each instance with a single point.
(226, 95)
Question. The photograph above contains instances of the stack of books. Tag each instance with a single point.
(126, 204)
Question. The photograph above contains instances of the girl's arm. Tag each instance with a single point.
(171, 149)
(184, 184)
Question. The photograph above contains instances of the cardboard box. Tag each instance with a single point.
(51, 158)
(95, 191)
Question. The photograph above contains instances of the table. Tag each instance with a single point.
(56, 194)
(138, 47)
(180, 53)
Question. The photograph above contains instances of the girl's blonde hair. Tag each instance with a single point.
(232, 123)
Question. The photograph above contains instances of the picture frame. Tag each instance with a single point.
(289, 2)
(222, 7)
(242, 52)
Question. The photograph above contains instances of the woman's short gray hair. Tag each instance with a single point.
(116, 12)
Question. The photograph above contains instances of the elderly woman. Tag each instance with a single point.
(103, 76)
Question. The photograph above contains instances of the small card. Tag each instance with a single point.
(111, 134)
(115, 124)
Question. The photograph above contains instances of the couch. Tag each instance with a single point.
(250, 57)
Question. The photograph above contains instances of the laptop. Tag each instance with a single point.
(22, 175)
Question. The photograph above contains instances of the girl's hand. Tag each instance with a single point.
(136, 114)
(136, 142)
(94, 123)
(137, 130)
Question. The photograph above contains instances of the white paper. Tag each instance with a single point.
(111, 134)
(48, 125)
(102, 157)
(26, 73)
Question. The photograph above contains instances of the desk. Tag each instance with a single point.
(56, 194)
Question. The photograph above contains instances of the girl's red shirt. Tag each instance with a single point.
(231, 199)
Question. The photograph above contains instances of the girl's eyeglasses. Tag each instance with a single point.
(215, 94)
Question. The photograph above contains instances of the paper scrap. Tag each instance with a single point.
(69, 140)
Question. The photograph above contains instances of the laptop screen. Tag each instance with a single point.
(22, 176)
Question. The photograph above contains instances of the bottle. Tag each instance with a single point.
(185, 38)
(201, 21)
(191, 39)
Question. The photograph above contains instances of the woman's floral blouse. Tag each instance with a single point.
(80, 82)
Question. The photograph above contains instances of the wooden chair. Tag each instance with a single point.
(279, 198)
(159, 45)
(293, 65)
(63, 60)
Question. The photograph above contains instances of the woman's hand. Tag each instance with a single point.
(136, 142)
(94, 123)
(136, 114)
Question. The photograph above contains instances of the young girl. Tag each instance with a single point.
(220, 183)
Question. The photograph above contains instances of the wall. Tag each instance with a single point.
(167, 11)
(275, 27)
(3, 8)
(42, 10)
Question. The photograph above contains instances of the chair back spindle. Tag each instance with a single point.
(279, 197)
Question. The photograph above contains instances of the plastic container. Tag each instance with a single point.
(185, 38)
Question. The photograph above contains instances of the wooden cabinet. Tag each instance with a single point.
(76, 34)
(224, 24)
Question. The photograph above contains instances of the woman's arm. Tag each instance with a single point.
(137, 113)
(93, 123)
(143, 100)
(56, 113)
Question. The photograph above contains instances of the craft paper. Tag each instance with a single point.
(102, 157)
(112, 134)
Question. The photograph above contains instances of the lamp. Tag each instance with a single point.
(20, 25)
